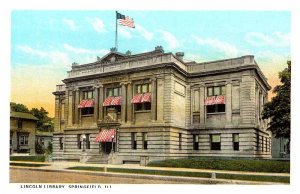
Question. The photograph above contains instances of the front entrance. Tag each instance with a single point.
(107, 147)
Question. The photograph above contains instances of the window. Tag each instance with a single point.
(133, 141)
(87, 111)
(143, 106)
(180, 140)
(215, 108)
(196, 142)
(143, 88)
(216, 91)
(23, 140)
(262, 144)
(116, 91)
(10, 140)
(61, 143)
(145, 141)
(215, 140)
(79, 141)
(20, 124)
(235, 139)
(88, 94)
(42, 141)
(87, 141)
(257, 141)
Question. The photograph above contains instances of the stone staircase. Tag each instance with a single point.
(97, 159)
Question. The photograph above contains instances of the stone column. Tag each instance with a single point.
(228, 106)
(96, 103)
(153, 99)
(77, 101)
(129, 105)
(70, 107)
(257, 105)
(202, 105)
(123, 105)
(100, 104)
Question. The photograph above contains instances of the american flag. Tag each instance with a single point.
(125, 20)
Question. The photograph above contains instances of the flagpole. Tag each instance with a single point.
(116, 35)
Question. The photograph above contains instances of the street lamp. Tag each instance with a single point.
(83, 141)
(112, 143)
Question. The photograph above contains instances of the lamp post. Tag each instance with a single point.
(83, 142)
(112, 143)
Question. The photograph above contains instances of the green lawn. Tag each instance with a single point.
(234, 164)
(37, 158)
(28, 164)
(89, 168)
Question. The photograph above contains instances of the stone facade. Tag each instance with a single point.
(177, 122)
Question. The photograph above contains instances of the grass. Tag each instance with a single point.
(37, 158)
(28, 165)
(160, 172)
(234, 164)
(89, 168)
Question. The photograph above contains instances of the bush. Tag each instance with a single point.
(38, 158)
(233, 164)
(39, 148)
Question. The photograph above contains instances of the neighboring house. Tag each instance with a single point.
(22, 132)
(155, 105)
(280, 148)
(44, 138)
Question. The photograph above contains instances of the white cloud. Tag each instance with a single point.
(84, 51)
(171, 40)
(70, 23)
(97, 23)
(277, 39)
(31, 51)
(143, 32)
(125, 33)
(228, 49)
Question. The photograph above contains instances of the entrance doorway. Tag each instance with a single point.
(107, 146)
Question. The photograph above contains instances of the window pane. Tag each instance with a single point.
(215, 138)
(144, 88)
(209, 91)
(145, 137)
(210, 108)
(84, 95)
(109, 92)
(149, 88)
(235, 137)
(217, 91)
(139, 89)
(220, 108)
(116, 91)
(120, 91)
(90, 95)
(196, 101)
(223, 90)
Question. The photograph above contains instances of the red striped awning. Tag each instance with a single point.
(106, 135)
(211, 100)
(107, 101)
(146, 97)
(82, 104)
(137, 98)
(117, 100)
(89, 103)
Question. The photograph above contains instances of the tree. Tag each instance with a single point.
(18, 107)
(43, 119)
(278, 110)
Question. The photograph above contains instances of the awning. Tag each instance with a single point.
(106, 135)
(117, 100)
(137, 98)
(107, 101)
(211, 100)
(86, 103)
(146, 97)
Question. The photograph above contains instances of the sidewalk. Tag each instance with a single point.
(63, 166)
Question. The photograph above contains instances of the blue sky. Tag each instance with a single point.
(45, 43)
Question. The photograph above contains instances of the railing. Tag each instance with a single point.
(61, 87)
(98, 69)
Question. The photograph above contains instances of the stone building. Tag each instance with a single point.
(22, 132)
(137, 108)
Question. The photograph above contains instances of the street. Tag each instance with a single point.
(30, 176)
